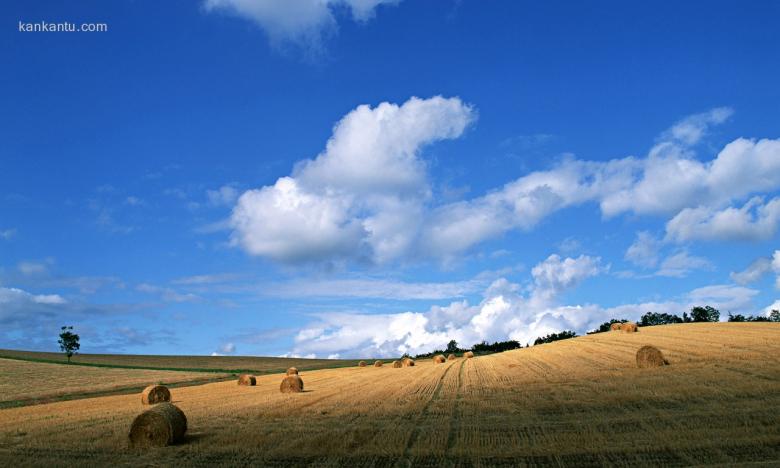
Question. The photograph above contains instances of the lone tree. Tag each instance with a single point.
(69, 342)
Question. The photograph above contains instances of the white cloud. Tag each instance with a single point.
(225, 349)
(692, 129)
(776, 267)
(19, 296)
(207, 279)
(644, 251)
(554, 275)
(374, 288)
(367, 197)
(223, 196)
(362, 198)
(728, 298)
(167, 294)
(504, 313)
(755, 220)
(7, 234)
(302, 22)
(681, 263)
(32, 268)
(754, 272)
(774, 306)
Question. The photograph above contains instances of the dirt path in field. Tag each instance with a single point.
(413, 438)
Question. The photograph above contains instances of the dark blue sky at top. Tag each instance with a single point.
(173, 101)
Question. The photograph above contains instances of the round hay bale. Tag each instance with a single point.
(451, 357)
(161, 425)
(629, 327)
(468, 354)
(246, 379)
(615, 326)
(154, 394)
(362, 364)
(439, 359)
(377, 363)
(649, 356)
(408, 362)
(292, 371)
(397, 364)
(291, 384)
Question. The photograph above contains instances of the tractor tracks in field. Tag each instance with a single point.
(455, 419)
(424, 413)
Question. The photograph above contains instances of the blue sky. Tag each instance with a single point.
(367, 178)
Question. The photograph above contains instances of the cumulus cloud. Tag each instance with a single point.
(755, 220)
(505, 312)
(555, 275)
(302, 22)
(368, 197)
(361, 198)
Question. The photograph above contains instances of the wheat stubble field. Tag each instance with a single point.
(579, 402)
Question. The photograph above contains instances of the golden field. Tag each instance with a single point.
(24, 382)
(578, 402)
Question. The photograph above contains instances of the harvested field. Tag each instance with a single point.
(24, 382)
(257, 365)
(577, 402)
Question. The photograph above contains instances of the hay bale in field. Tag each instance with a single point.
(408, 362)
(292, 371)
(468, 354)
(650, 356)
(397, 364)
(291, 384)
(154, 394)
(161, 425)
(629, 327)
(247, 379)
(377, 363)
(451, 357)
(439, 359)
(615, 326)
(362, 364)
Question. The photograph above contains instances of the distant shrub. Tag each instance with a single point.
(480, 348)
(656, 318)
(566, 334)
(774, 316)
(497, 347)
(705, 314)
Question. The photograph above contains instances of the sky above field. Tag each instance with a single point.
(355, 178)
